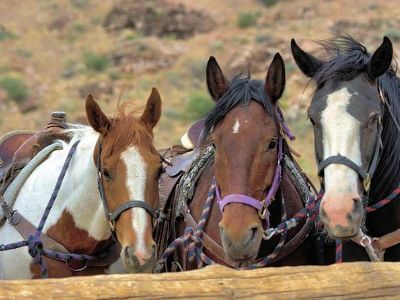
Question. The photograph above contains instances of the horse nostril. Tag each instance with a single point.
(253, 231)
(127, 252)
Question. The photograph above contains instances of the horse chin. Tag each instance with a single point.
(243, 263)
(132, 265)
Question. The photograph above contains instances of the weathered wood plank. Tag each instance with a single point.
(353, 280)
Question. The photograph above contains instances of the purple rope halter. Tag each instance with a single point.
(260, 206)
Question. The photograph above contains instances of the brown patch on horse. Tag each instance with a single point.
(74, 239)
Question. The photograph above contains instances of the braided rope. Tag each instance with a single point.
(270, 257)
(192, 239)
(384, 201)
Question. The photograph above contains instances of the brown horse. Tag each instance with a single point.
(111, 186)
(249, 164)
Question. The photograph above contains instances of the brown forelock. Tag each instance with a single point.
(242, 163)
(125, 131)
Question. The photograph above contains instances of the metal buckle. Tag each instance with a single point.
(262, 212)
(367, 183)
(269, 233)
(112, 225)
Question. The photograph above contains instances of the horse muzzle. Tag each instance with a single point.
(138, 261)
(342, 218)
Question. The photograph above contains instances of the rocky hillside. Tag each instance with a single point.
(53, 53)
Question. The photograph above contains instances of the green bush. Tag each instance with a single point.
(247, 19)
(269, 3)
(197, 106)
(15, 88)
(5, 34)
(393, 34)
(95, 62)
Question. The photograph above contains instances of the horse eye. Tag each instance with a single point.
(272, 144)
(106, 174)
(373, 119)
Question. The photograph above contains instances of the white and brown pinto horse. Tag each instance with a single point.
(130, 166)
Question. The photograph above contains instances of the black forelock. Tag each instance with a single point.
(347, 59)
(242, 90)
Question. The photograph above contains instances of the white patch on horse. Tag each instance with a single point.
(186, 142)
(136, 184)
(236, 127)
(78, 195)
(341, 135)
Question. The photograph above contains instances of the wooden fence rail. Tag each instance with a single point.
(352, 280)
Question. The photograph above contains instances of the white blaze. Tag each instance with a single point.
(136, 183)
(236, 127)
(341, 135)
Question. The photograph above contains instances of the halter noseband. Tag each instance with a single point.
(261, 206)
(113, 216)
(366, 176)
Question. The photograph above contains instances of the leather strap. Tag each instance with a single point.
(218, 251)
(388, 240)
(131, 204)
(342, 160)
(25, 229)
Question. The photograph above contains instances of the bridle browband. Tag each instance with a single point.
(366, 176)
(112, 216)
(261, 206)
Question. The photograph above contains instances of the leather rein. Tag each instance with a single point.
(112, 216)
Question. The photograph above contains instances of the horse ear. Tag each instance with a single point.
(216, 81)
(307, 63)
(381, 59)
(152, 112)
(275, 80)
(95, 116)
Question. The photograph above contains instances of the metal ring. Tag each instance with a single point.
(365, 241)
(76, 270)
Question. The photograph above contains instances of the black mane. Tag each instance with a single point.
(348, 59)
(242, 90)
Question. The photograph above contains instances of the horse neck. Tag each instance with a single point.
(82, 225)
(387, 174)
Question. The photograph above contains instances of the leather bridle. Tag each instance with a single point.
(365, 175)
(112, 216)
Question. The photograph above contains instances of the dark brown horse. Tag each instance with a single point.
(245, 159)
(355, 112)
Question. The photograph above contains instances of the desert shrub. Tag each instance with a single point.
(393, 34)
(197, 106)
(247, 19)
(15, 88)
(95, 62)
(79, 3)
(5, 34)
(269, 3)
